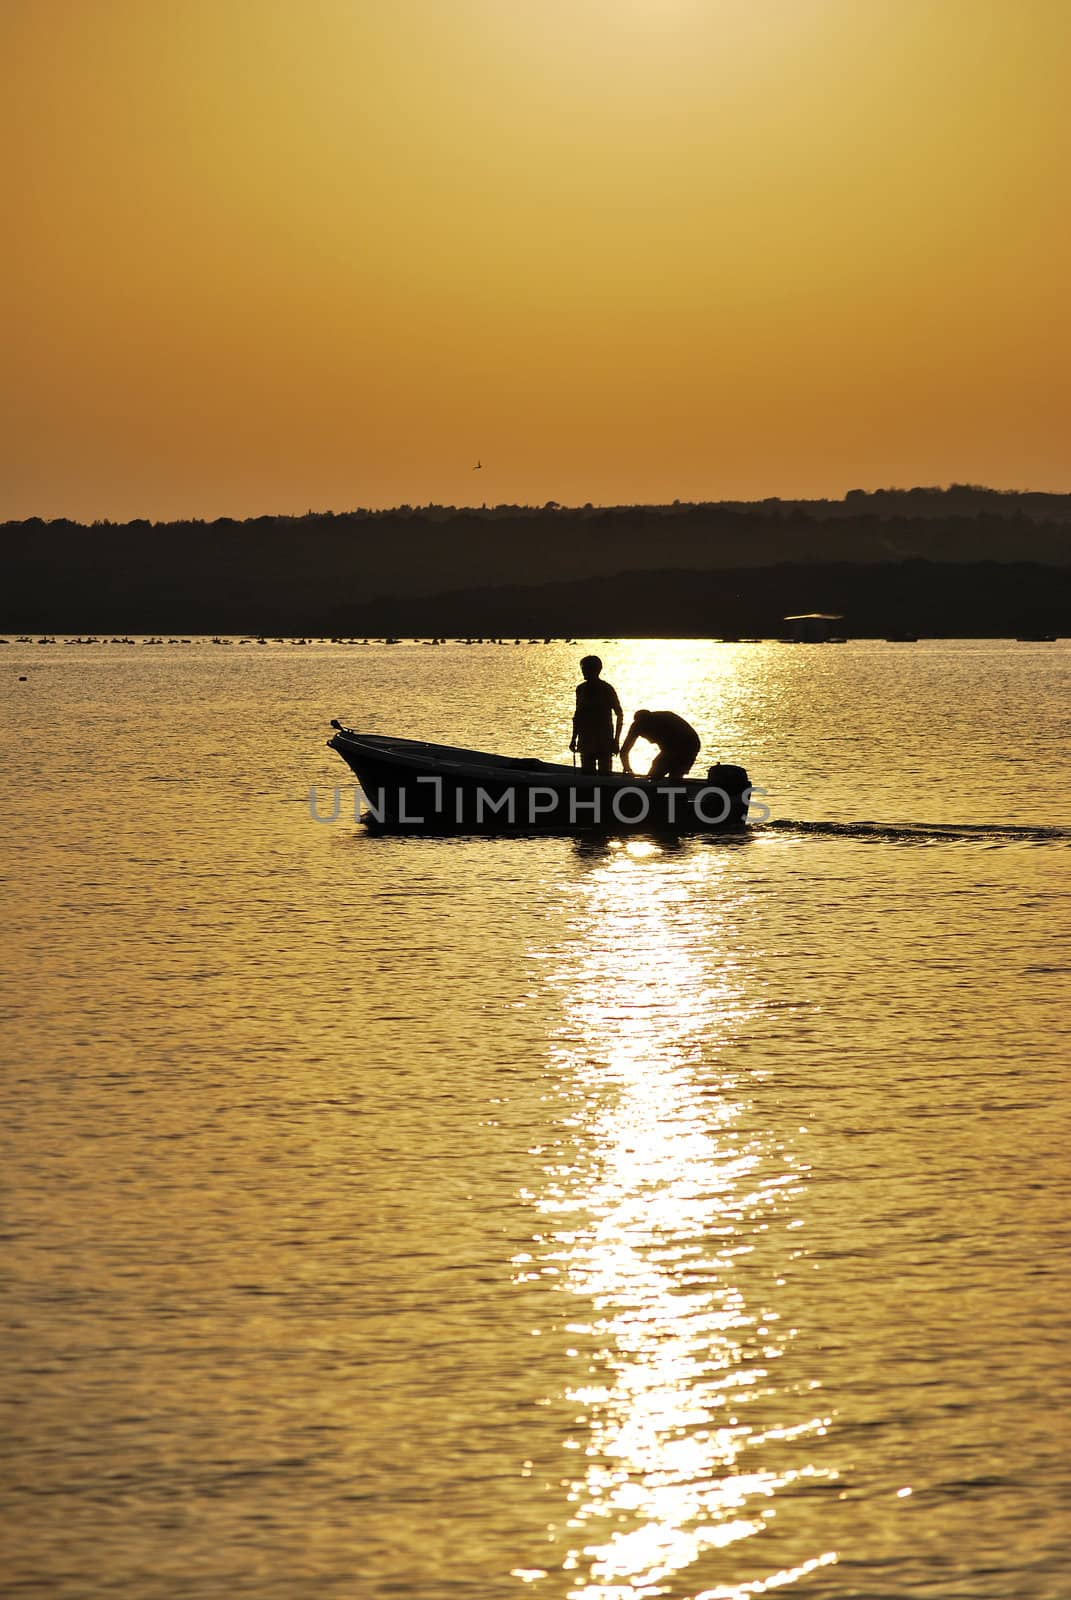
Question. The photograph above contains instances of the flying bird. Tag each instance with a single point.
(478, 467)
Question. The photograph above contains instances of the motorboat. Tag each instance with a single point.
(438, 788)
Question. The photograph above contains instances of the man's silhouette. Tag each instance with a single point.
(597, 719)
(677, 741)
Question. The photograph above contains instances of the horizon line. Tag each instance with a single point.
(486, 507)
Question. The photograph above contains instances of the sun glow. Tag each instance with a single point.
(676, 1195)
(700, 681)
(623, 249)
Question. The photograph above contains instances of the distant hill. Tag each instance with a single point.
(284, 574)
(927, 599)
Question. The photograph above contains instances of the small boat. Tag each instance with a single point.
(438, 788)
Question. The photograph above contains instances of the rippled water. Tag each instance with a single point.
(585, 1218)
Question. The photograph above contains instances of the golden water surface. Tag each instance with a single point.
(598, 1219)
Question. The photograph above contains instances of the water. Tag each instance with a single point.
(487, 1217)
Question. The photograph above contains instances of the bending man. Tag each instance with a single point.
(677, 741)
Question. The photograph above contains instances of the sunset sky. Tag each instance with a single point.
(266, 255)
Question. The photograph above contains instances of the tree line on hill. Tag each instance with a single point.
(456, 568)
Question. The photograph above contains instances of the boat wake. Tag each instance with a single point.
(917, 832)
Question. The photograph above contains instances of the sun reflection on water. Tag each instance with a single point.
(672, 1190)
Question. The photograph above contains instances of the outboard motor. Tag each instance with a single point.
(733, 781)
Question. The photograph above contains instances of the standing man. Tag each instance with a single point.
(677, 741)
(597, 719)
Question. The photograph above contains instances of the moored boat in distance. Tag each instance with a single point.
(411, 785)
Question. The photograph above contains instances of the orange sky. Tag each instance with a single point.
(264, 255)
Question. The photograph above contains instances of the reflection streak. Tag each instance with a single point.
(671, 1191)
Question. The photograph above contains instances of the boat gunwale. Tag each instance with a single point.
(487, 767)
